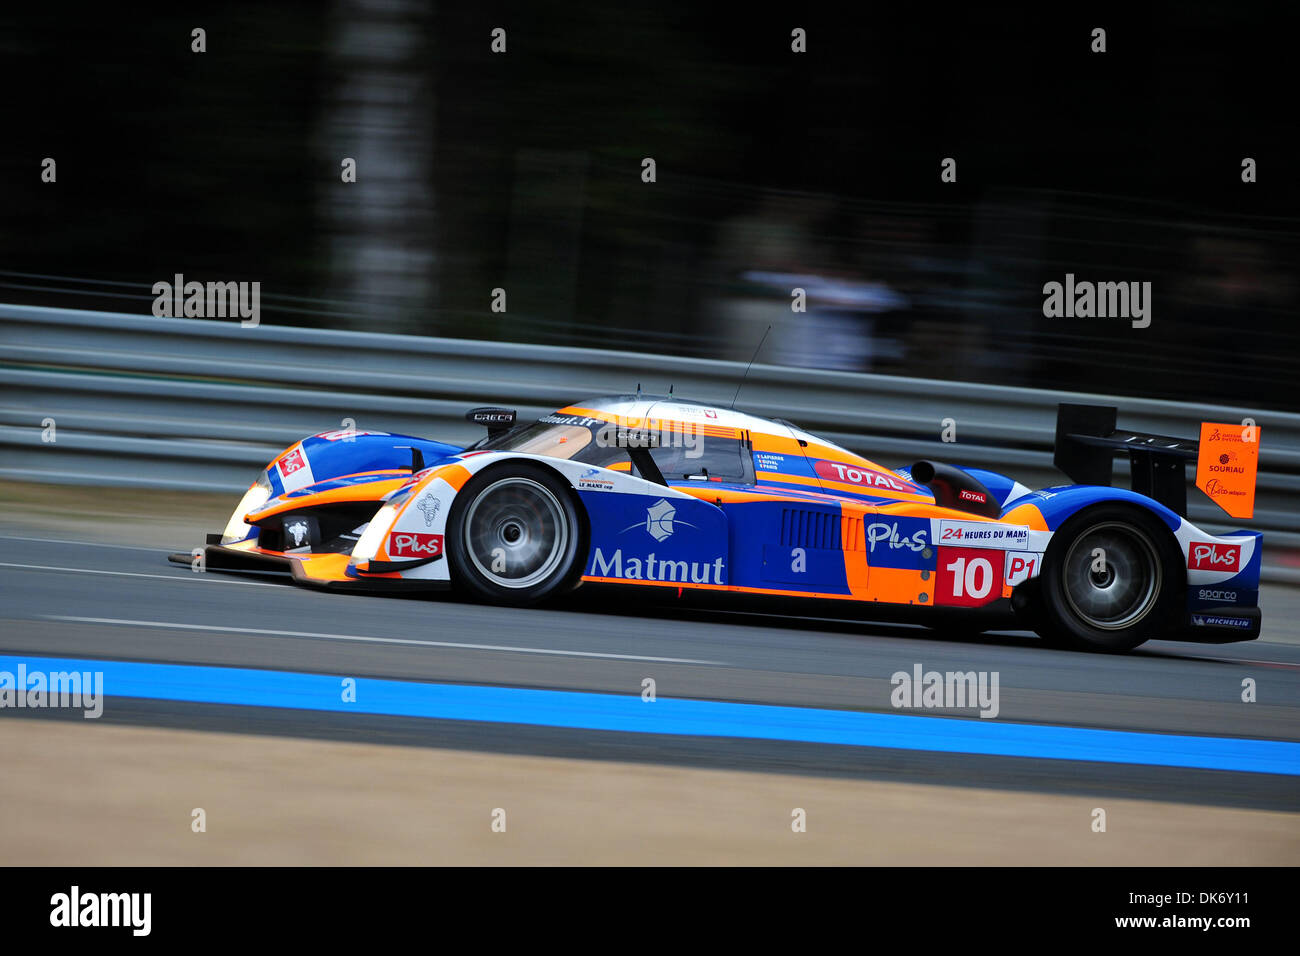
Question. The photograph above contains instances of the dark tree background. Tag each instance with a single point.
(523, 171)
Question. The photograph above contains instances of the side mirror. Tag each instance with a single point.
(496, 420)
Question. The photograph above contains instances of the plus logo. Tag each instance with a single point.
(1214, 557)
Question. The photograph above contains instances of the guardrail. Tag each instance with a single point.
(192, 404)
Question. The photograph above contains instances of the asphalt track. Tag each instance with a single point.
(69, 599)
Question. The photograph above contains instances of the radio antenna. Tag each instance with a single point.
(748, 367)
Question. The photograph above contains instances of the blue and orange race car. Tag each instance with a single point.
(659, 493)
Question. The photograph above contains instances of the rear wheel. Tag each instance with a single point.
(514, 535)
(1111, 580)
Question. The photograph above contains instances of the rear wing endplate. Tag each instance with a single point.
(1087, 440)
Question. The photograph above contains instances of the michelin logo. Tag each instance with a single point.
(1209, 620)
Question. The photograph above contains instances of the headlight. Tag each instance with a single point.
(236, 528)
(368, 544)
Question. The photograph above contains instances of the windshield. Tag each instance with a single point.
(559, 436)
(681, 457)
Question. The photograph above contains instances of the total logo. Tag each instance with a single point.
(660, 521)
(1214, 557)
(865, 477)
(414, 544)
(889, 533)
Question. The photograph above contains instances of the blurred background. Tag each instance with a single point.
(522, 170)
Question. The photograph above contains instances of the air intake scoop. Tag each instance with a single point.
(954, 488)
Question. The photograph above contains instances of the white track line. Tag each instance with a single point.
(384, 640)
(91, 544)
(196, 577)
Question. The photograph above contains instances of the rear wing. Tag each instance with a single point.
(1226, 456)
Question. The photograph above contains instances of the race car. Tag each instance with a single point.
(678, 497)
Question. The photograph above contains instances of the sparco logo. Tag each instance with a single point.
(1209, 594)
(1214, 557)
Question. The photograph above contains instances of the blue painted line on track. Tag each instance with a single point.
(696, 718)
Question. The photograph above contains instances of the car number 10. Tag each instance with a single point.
(975, 575)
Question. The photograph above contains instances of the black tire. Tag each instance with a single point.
(515, 535)
(1132, 595)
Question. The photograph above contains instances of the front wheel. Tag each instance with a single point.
(514, 535)
(1111, 580)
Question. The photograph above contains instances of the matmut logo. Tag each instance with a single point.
(866, 477)
(1214, 557)
(414, 544)
(660, 521)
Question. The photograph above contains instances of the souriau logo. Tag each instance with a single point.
(75, 909)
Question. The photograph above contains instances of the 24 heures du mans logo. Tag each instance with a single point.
(1214, 557)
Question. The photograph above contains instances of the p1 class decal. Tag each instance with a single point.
(294, 469)
(862, 477)
(414, 544)
(968, 577)
(1213, 556)
(1022, 565)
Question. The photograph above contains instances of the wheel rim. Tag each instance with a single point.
(1119, 590)
(516, 532)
